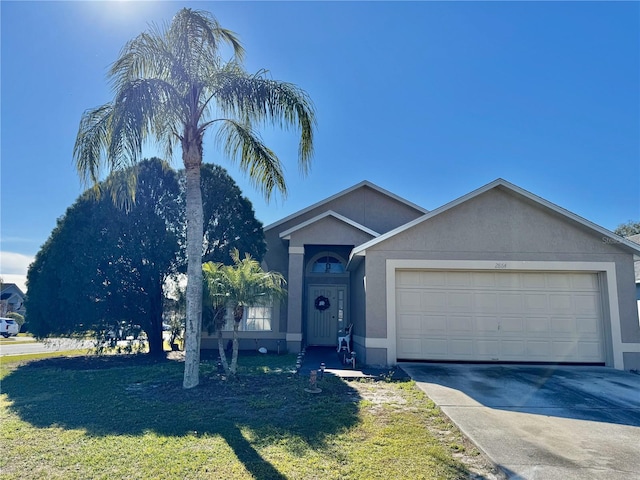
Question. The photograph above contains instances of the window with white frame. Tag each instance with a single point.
(255, 319)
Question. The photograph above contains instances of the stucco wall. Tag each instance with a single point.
(365, 205)
(500, 225)
(357, 294)
(632, 361)
(329, 231)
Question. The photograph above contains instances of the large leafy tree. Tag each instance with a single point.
(628, 229)
(103, 265)
(173, 85)
(238, 286)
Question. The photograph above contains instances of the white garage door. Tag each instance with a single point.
(498, 316)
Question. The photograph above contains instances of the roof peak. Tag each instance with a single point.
(499, 182)
(363, 183)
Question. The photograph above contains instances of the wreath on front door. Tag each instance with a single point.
(322, 303)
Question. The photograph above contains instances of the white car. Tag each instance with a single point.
(8, 327)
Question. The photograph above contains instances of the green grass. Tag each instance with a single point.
(128, 417)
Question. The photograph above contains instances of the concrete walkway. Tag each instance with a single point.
(314, 356)
(542, 422)
(27, 345)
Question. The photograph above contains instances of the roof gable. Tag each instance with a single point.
(503, 184)
(11, 287)
(286, 235)
(634, 238)
(349, 191)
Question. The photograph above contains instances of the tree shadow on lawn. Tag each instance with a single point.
(134, 396)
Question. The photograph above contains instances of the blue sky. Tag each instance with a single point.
(429, 100)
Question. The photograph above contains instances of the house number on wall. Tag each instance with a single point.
(500, 266)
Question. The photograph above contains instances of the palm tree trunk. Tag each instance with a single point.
(223, 356)
(238, 313)
(234, 355)
(194, 215)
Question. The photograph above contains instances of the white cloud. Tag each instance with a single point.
(13, 268)
(14, 263)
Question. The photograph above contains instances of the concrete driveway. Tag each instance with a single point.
(542, 422)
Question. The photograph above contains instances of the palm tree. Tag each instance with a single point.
(172, 85)
(238, 286)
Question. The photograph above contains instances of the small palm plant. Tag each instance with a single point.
(241, 285)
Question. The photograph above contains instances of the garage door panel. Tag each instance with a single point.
(508, 281)
(460, 301)
(512, 325)
(537, 325)
(538, 349)
(512, 349)
(589, 350)
(410, 324)
(460, 347)
(434, 279)
(562, 302)
(439, 346)
(566, 350)
(560, 281)
(433, 300)
(535, 303)
(486, 324)
(460, 324)
(483, 279)
(409, 278)
(410, 347)
(510, 302)
(434, 324)
(584, 282)
(485, 302)
(534, 281)
(587, 325)
(458, 279)
(585, 303)
(487, 349)
(509, 316)
(563, 325)
(410, 300)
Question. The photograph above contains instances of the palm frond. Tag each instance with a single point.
(92, 142)
(244, 283)
(199, 35)
(267, 102)
(121, 186)
(142, 109)
(147, 56)
(243, 145)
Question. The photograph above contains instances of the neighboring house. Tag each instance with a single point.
(498, 275)
(636, 239)
(11, 299)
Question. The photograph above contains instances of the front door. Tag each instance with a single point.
(322, 314)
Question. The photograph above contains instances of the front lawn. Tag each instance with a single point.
(128, 417)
